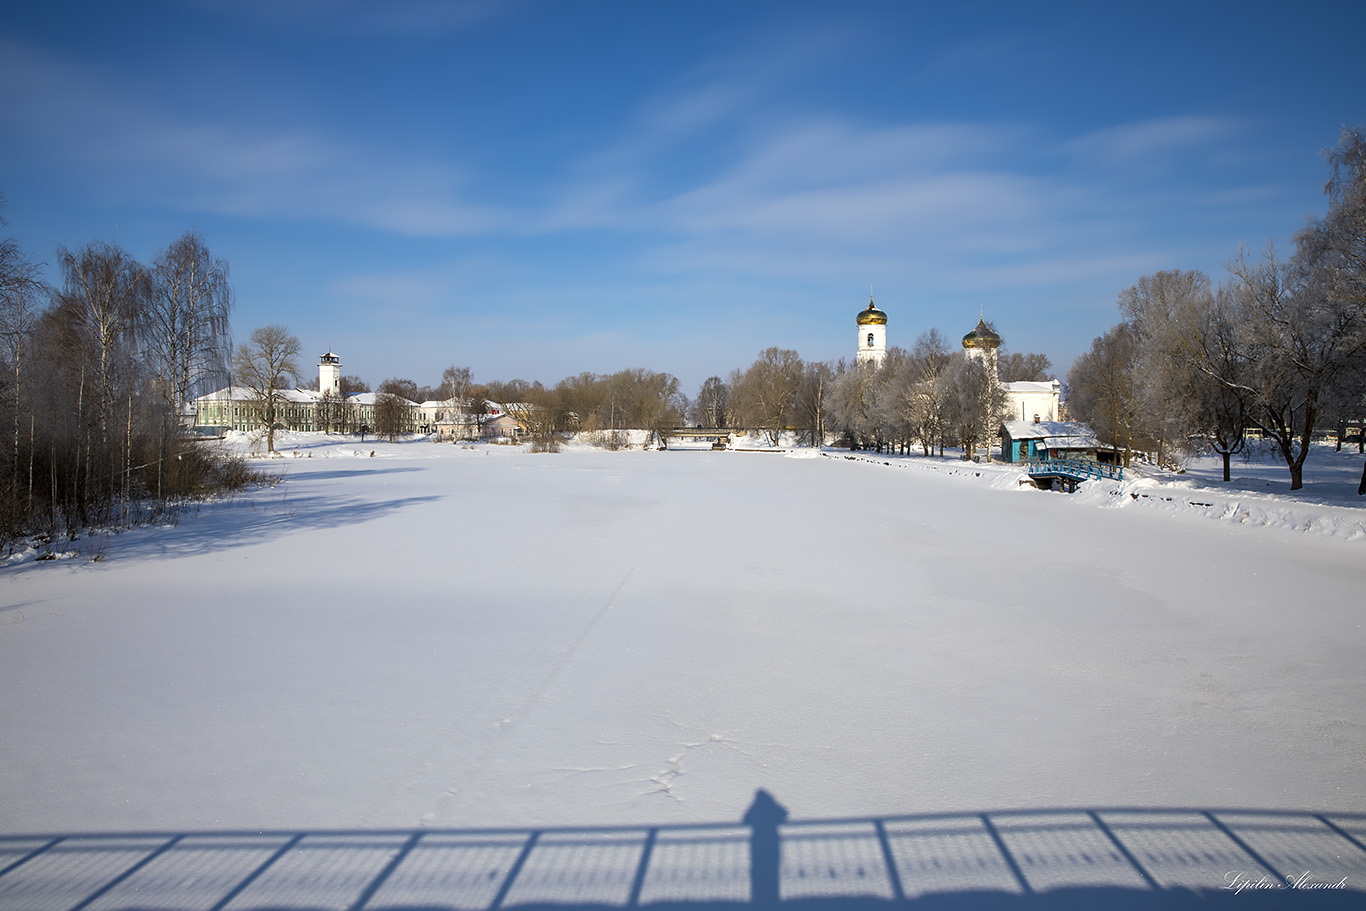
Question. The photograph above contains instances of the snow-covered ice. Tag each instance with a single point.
(439, 635)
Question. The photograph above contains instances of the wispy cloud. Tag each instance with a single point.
(854, 183)
(703, 118)
(123, 145)
(1144, 141)
(712, 173)
(420, 292)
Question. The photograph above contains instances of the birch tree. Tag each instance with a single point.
(188, 340)
(106, 292)
(20, 292)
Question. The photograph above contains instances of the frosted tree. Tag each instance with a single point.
(974, 404)
(851, 403)
(1194, 378)
(924, 392)
(1332, 254)
(457, 386)
(188, 342)
(21, 290)
(105, 296)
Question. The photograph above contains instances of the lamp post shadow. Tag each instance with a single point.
(765, 851)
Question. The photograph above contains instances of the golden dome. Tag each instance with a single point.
(872, 316)
(982, 337)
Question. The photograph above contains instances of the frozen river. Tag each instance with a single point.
(437, 636)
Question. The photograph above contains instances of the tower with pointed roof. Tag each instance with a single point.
(981, 344)
(872, 335)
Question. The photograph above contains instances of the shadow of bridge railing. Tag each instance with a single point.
(1117, 858)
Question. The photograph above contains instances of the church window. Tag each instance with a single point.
(870, 339)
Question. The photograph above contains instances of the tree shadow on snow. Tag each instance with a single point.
(330, 474)
(1119, 859)
(253, 519)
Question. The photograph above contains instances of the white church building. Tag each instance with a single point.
(1026, 401)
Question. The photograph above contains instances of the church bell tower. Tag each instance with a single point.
(872, 335)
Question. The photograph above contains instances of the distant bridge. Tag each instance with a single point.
(719, 436)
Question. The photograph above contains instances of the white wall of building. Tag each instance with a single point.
(872, 344)
(329, 374)
(1028, 401)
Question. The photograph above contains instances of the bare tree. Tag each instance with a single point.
(974, 405)
(538, 411)
(1332, 252)
(1013, 367)
(187, 327)
(711, 408)
(766, 393)
(401, 387)
(20, 292)
(647, 400)
(262, 364)
(106, 292)
(893, 399)
(353, 385)
(1206, 398)
(851, 402)
(1104, 388)
(1298, 340)
(394, 408)
(391, 415)
(456, 384)
(332, 412)
(926, 394)
(1334, 246)
(1192, 382)
(811, 413)
(336, 413)
(1302, 323)
(477, 411)
(599, 402)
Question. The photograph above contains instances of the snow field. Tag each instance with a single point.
(477, 636)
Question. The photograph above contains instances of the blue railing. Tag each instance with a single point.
(1077, 469)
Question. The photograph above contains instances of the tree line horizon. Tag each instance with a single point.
(96, 374)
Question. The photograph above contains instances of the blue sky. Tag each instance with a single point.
(536, 189)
